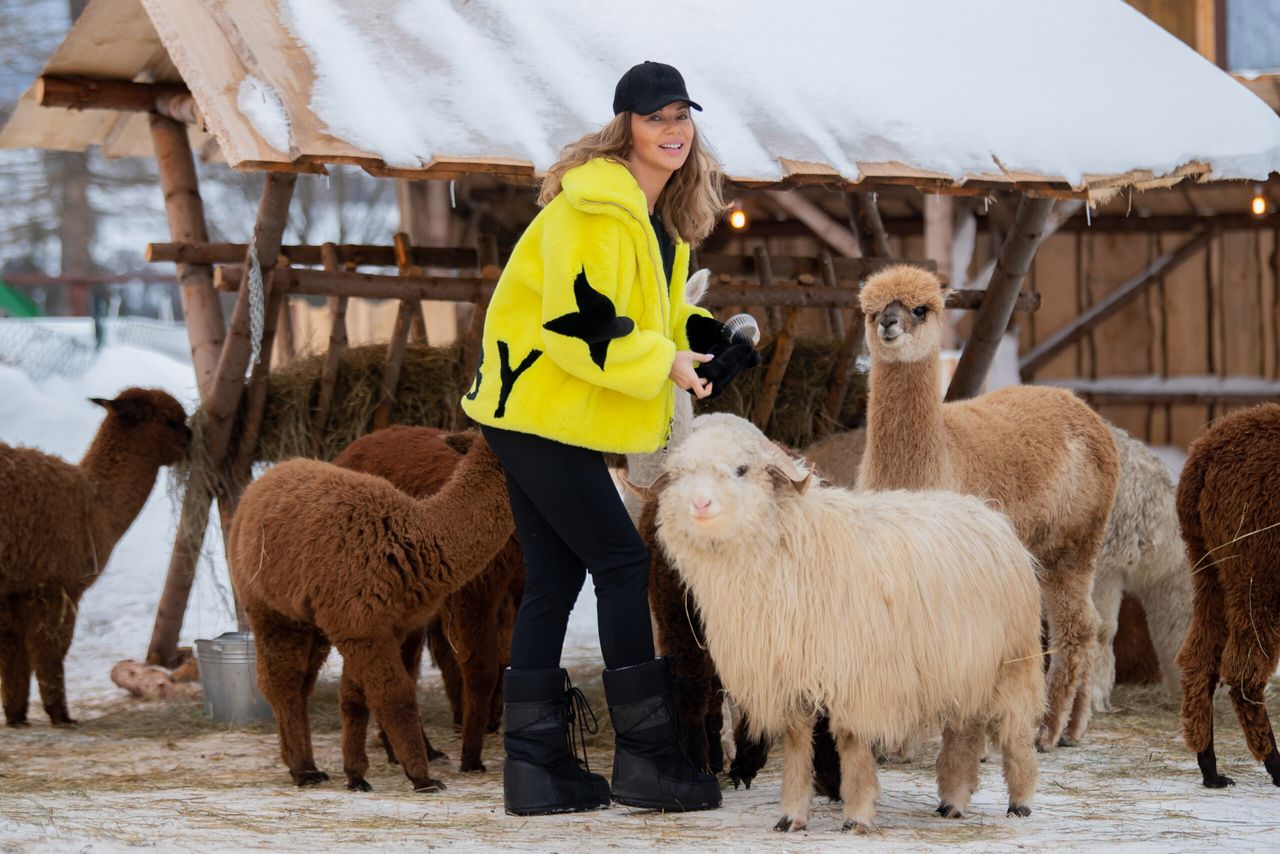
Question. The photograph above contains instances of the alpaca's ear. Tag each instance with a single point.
(646, 493)
(102, 401)
(781, 477)
(696, 286)
(129, 410)
(460, 442)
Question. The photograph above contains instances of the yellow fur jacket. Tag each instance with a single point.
(583, 328)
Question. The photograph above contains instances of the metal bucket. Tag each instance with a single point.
(229, 679)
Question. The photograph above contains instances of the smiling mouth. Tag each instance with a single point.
(671, 146)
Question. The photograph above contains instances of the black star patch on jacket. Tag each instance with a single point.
(596, 321)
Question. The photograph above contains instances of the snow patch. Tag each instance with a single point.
(262, 106)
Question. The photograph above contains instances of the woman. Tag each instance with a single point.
(585, 342)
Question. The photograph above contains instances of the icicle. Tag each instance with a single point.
(1130, 210)
(453, 200)
(1088, 215)
(986, 204)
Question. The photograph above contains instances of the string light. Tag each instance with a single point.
(737, 217)
(1259, 203)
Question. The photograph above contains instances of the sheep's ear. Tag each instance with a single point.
(646, 493)
(695, 288)
(784, 478)
(460, 442)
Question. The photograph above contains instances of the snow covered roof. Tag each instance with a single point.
(1081, 98)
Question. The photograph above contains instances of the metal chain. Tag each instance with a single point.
(257, 305)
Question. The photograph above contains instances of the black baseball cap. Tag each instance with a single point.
(648, 87)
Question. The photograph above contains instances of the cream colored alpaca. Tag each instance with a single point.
(890, 612)
(1041, 454)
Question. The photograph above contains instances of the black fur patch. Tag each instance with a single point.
(596, 321)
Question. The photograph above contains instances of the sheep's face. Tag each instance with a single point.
(151, 420)
(903, 307)
(724, 483)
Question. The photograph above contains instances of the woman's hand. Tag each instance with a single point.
(683, 376)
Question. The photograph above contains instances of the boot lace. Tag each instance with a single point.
(577, 710)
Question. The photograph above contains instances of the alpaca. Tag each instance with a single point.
(320, 554)
(471, 632)
(58, 525)
(1230, 519)
(1041, 453)
(1141, 552)
(1141, 555)
(889, 612)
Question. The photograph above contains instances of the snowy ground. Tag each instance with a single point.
(136, 774)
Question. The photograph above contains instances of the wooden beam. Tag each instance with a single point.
(783, 346)
(723, 293)
(337, 343)
(864, 219)
(172, 100)
(473, 339)
(185, 212)
(273, 210)
(193, 520)
(1089, 320)
(409, 306)
(842, 374)
(1002, 294)
(835, 320)
(835, 235)
(764, 277)
(454, 257)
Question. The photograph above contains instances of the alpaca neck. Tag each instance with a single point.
(463, 525)
(122, 479)
(906, 447)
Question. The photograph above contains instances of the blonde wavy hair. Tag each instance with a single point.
(691, 203)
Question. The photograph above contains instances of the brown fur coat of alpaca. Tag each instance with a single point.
(1229, 509)
(1040, 454)
(470, 636)
(58, 525)
(320, 554)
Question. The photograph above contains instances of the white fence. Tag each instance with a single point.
(66, 346)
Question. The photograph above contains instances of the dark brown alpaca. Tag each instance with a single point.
(320, 554)
(1229, 509)
(470, 636)
(58, 525)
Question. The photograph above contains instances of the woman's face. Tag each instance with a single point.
(661, 140)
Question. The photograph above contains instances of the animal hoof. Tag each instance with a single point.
(434, 755)
(65, 722)
(22, 722)
(1218, 781)
(855, 826)
(472, 765)
(1068, 741)
(359, 784)
(1020, 810)
(949, 811)
(311, 778)
(787, 824)
(429, 786)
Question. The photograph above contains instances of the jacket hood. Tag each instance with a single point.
(604, 180)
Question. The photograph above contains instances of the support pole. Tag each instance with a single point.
(409, 307)
(472, 341)
(783, 346)
(864, 219)
(993, 317)
(337, 343)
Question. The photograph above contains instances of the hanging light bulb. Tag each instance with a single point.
(1259, 203)
(738, 217)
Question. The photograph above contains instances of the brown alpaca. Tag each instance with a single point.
(320, 554)
(1229, 509)
(470, 636)
(1041, 454)
(58, 525)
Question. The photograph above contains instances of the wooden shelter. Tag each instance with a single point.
(250, 83)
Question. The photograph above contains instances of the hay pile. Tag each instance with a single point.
(428, 391)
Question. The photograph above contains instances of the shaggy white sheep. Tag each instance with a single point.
(889, 611)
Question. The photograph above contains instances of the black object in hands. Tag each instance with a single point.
(733, 352)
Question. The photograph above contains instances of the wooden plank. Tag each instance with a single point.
(865, 222)
(395, 351)
(365, 255)
(333, 356)
(992, 319)
(835, 320)
(1241, 309)
(1116, 300)
(1055, 273)
(171, 100)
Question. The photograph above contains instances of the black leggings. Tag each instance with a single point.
(570, 519)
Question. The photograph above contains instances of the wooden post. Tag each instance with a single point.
(185, 212)
(783, 346)
(1002, 292)
(473, 340)
(273, 211)
(284, 329)
(764, 274)
(835, 320)
(221, 401)
(864, 219)
(337, 343)
(399, 338)
(1109, 305)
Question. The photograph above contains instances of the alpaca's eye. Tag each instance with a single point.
(742, 470)
(920, 311)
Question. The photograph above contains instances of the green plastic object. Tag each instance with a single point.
(15, 303)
